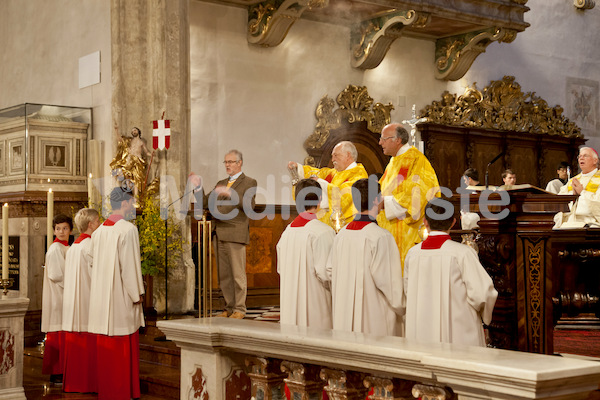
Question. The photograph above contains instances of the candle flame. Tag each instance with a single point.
(90, 175)
(5, 204)
(50, 190)
(48, 180)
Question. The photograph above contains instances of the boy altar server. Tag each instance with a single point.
(116, 300)
(364, 269)
(80, 346)
(302, 252)
(52, 299)
(448, 291)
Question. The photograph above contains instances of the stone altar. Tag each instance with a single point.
(12, 312)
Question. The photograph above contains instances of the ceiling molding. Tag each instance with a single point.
(461, 29)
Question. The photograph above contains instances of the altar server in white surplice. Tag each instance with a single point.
(302, 251)
(449, 293)
(116, 300)
(365, 271)
(80, 346)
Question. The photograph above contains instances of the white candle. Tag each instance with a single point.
(5, 241)
(90, 191)
(50, 206)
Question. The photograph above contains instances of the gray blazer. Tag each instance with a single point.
(234, 229)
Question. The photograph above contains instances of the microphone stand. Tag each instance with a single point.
(166, 253)
(487, 169)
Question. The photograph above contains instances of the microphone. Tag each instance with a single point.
(488, 167)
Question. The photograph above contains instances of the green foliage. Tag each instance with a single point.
(152, 238)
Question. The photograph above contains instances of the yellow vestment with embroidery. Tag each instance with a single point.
(411, 180)
(339, 190)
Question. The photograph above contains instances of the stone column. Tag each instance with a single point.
(151, 75)
(12, 312)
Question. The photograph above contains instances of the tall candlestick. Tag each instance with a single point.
(5, 241)
(90, 191)
(50, 231)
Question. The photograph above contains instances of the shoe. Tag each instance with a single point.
(237, 315)
(224, 314)
(56, 379)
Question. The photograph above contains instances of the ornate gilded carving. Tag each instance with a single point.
(371, 39)
(584, 4)
(343, 385)
(270, 21)
(389, 388)
(266, 377)
(535, 292)
(501, 106)
(427, 392)
(303, 380)
(355, 104)
(454, 55)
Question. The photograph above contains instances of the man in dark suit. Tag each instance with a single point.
(228, 203)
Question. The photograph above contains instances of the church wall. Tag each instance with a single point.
(41, 42)
(262, 100)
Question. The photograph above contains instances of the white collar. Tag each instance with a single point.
(403, 149)
(234, 177)
(353, 165)
(591, 173)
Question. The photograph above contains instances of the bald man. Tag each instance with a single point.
(336, 182)
(407, 184)
(586, 209)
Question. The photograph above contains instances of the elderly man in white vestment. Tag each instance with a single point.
(80, 346)
(449, 293)
(116, 300)
(364, 269)
(586, 209)
(302, 251)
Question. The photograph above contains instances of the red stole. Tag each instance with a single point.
(82, 237)
(113, 219)
(434, 242)
(63, 242)
(303, 219)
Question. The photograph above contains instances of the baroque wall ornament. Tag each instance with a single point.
(371, 39)
(454, 55)
(501, 106)
(354, 104)
(270, 21)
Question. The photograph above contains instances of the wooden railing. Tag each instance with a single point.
(223, 358)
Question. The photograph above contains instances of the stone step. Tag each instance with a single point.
(159, 380)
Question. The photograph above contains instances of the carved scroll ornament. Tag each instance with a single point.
(372, 39)
(354, 104)
(454, 55)
(501, 106)
(270, 21)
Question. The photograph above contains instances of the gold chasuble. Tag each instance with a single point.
(339, 190)
(592, 185)
(411, 180)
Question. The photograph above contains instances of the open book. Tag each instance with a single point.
(525, 187)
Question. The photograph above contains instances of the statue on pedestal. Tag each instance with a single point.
(130, 166)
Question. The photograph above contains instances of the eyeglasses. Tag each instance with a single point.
(228, 162)
(383, 139)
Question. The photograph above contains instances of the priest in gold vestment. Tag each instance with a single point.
(336, 182)
(407, 184)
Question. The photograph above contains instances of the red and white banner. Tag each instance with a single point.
(161, 134)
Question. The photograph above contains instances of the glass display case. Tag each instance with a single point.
(44, 146)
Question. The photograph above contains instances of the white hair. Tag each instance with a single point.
(349, 147)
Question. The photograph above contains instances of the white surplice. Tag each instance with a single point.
(448, 294)
(52, 290)
(116, 280)
(76, 296)
(366, 281)
(302, 253)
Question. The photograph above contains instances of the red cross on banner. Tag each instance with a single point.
(161, 134)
